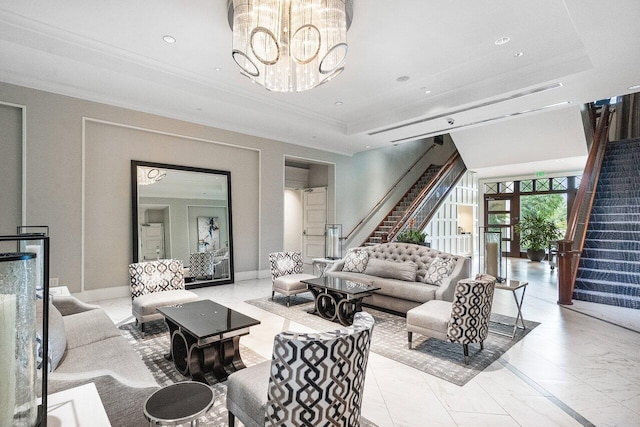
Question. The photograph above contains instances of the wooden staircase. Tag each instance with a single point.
(379, 235)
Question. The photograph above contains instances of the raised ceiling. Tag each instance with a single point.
(113, 52)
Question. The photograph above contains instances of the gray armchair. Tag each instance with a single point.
(464, 321)
(287, 273)
(312, 380)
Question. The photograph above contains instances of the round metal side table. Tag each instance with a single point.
(179, 403)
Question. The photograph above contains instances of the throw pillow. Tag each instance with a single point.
(438, 270)
(392, 270)
(356, 261)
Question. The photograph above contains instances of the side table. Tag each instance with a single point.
(322, 264)
(513, 286)
(165, 408)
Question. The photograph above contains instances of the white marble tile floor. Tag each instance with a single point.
(573, 369)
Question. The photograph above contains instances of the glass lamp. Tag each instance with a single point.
(19, 283)
(332, 247)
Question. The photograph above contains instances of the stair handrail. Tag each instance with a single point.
(386, 195)
(570, 248)
(413, 207)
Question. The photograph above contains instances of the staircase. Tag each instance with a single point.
(609, 269)
(379, 235)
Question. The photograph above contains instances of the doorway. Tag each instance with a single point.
(501, 213)
(308, 206)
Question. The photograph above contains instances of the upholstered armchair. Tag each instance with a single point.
(287, 273)
(156, 284)
(464, 321)
(311, 380)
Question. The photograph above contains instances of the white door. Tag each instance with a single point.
(152, 241)
(315, 218)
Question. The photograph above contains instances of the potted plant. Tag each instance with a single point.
(536, 231)
(410, 235)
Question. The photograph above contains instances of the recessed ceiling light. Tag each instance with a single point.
(338, 103)
(425, 90)
(518, 54)
(217, 69)
(368, 146)
(403, 78)
(169, 39)
(199, 109)
(502, 40)
(634, 87)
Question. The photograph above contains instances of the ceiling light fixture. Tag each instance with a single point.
(502, 40)
(634, 87)
(425, 90)
(518, 54)
(148, 176)
(169, 39)
(338, 103)
(290, 45)
(403, 78)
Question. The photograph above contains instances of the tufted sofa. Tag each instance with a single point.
(403, 274)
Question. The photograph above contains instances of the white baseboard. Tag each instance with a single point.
(125, 291)
(104, 293)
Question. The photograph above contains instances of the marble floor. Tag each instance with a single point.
(574, 369)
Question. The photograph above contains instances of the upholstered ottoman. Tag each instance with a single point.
(430, 319)
(144, 307)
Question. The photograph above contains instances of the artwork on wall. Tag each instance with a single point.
(208, 234)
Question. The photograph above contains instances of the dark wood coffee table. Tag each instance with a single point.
(338, 298)
(205, 337)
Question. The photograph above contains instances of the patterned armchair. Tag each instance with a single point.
(312, 380)
(156, 284)
(286, 274)
(464, 321)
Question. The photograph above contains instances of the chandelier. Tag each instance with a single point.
(290, 45)
(148, 176)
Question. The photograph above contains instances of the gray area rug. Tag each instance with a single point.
(441, 359)
(154, 343)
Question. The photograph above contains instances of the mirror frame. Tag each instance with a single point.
(134, 213)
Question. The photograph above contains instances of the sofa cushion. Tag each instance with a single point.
(392, 270)
(412, 291)
(88, 327)
(356, 261)
(110, 356)
(148, 303)
(438, 270)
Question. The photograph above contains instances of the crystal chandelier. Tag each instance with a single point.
(290, 45)
(148, 176)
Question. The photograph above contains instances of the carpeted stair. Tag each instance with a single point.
(380, 233)
(609, 269)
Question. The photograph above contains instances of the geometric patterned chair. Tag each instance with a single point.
(464, 321)
(286, 274)
(312, 380)
(201, 265)
(156, 284)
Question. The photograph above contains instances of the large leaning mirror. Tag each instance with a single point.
(183, 213)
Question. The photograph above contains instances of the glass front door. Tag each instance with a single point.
(501, 214)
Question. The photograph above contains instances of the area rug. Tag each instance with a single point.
(439, 358)
(154, 343)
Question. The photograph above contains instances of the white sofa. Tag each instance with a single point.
(406, 274)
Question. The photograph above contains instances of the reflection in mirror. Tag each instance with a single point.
(184, 213)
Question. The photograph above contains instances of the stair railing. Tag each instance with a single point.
(384, 198)
(570, 248)
(431, 196)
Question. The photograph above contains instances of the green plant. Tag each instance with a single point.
(536, 231)
(411, 236)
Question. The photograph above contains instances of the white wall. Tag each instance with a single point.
(78, 157)
(10, 170)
